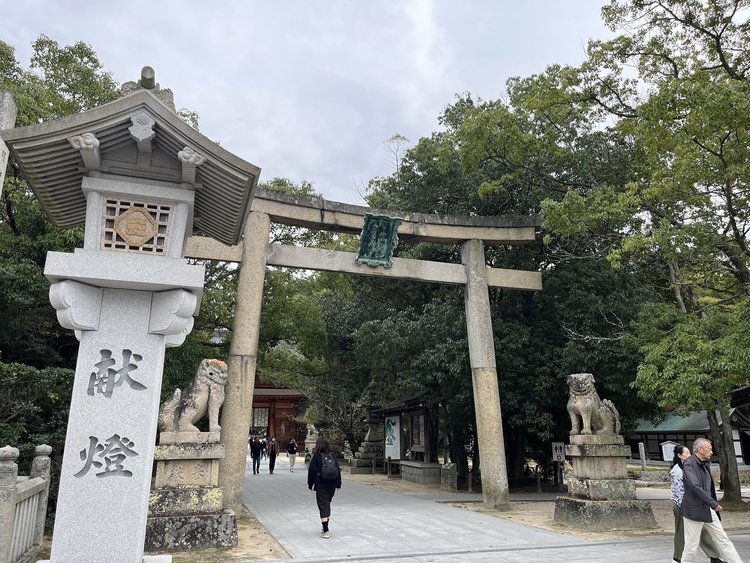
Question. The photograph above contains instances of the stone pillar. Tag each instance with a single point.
(41, 467)
(127, 299)
(236, 415)
(8, 479)
(8, 113)
(365, 459)
(484, 376)
(109, 445)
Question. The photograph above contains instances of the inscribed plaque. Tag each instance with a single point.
(378, 240)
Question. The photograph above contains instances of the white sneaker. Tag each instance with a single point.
(325, 535)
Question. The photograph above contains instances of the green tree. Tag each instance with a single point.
(497, 158)
(61, 81)
(673, 86)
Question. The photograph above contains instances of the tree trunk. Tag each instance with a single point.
(724, 446)
(433, 419)
(515, 453)
(458, 453)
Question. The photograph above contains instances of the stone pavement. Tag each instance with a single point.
(372, 524)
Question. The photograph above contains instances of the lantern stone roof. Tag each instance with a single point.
(139, 137)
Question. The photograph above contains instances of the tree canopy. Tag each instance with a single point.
(637, 160)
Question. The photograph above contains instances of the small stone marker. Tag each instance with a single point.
(449, 477)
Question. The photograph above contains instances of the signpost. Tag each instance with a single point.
(558, 451)
(558, 456)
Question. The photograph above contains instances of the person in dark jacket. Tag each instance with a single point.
(700, 507)
(273, 451)
(255, 451)
(324, 488)
(291, 453)
(681, 453)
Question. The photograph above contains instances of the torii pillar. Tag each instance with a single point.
(484, 376)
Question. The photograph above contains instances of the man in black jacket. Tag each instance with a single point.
(700, 507)
(255, 452)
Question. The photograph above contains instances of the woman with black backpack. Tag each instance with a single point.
(324, 475)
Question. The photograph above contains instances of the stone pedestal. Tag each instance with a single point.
(186, 504)
(109, 445)
(369, 456)
(600, 495)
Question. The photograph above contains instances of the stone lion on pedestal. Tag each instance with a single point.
(588, 413)
(205, 394)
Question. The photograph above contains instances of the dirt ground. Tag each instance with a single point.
(255, 543)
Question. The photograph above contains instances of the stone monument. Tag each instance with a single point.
(369, 455)
(310, 439)
(141, 181)
(600, 495)
(186, 503)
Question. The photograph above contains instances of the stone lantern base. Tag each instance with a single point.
(600, 495)
(186, 506)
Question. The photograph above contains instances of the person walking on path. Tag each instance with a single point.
(263, 447)
(324, 475)
(291, 453)
(681, 453)
(273, 451)
(255, 451)
(699, 505)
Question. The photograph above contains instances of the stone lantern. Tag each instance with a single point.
(141, 181)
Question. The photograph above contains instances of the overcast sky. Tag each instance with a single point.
(312, 90)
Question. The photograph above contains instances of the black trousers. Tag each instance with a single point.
(256, 463)
(271, 462)
(323, 496)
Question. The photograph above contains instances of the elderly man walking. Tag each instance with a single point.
(700, 507)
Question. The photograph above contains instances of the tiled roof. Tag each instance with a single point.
(224, 183)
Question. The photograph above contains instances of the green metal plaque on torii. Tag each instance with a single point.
(378, 240)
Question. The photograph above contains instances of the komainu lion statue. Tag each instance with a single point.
(588, 413)
(204, 394)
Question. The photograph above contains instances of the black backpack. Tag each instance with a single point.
(329, 471)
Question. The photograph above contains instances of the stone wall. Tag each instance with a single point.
(421, 473)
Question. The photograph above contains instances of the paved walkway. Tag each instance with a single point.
(373, 524)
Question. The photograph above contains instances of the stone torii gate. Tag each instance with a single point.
(254, 253)
(141, 181)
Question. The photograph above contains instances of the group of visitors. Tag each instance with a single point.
(323, 474)
(696, 510)
(260, 448)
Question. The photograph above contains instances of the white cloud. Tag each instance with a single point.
(310, 90)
